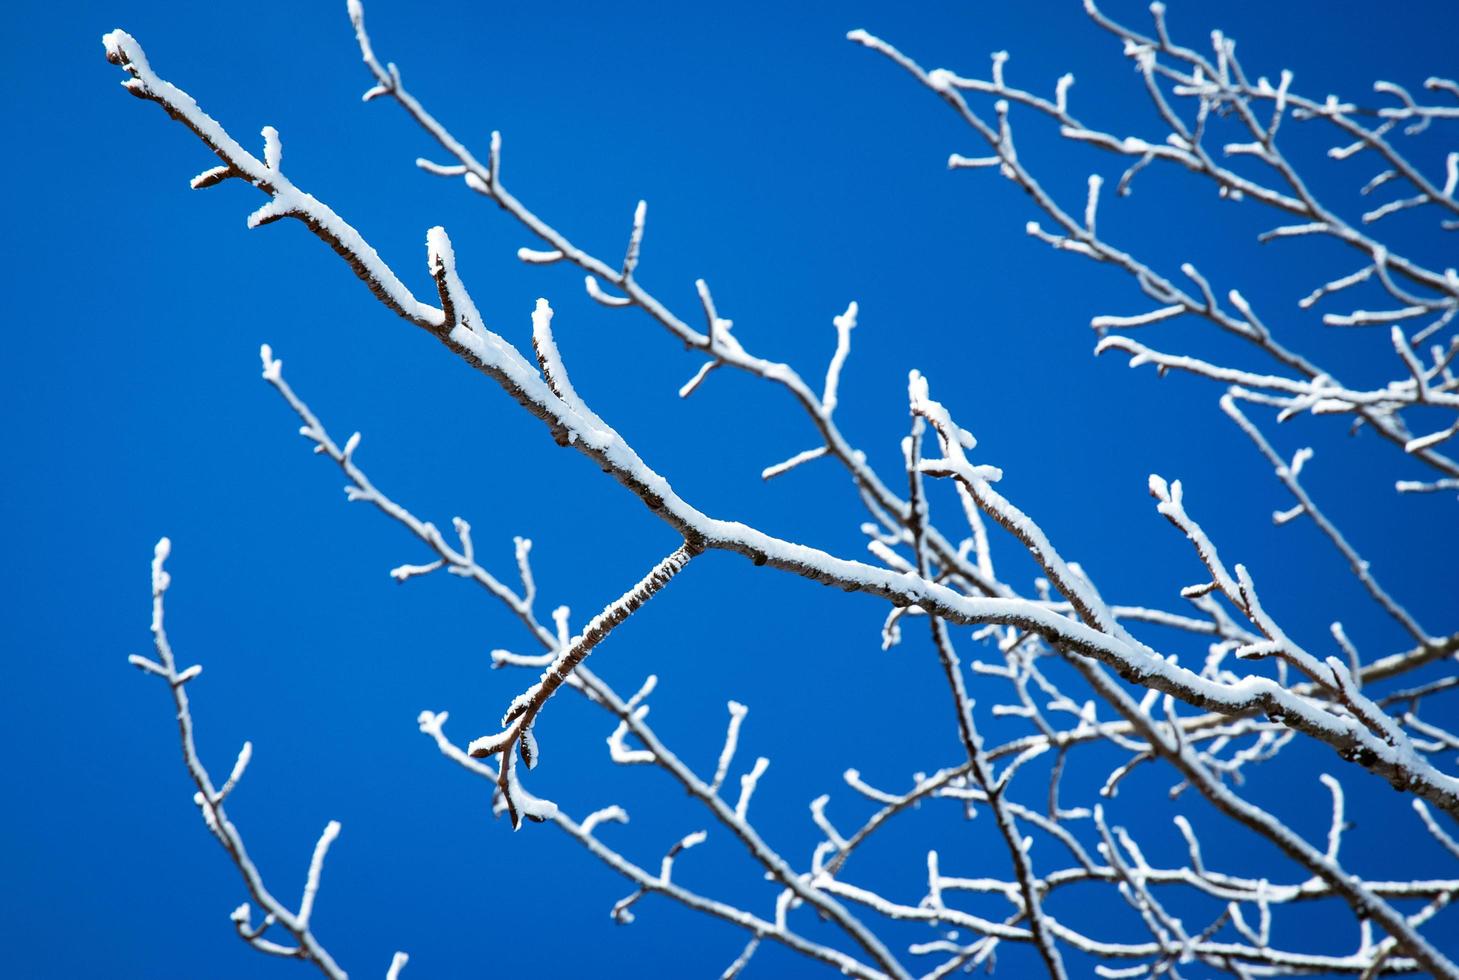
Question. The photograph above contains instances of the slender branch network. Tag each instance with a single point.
(1078, 676)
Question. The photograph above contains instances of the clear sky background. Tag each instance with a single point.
(793, 170)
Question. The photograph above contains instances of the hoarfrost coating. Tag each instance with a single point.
(1072, 668)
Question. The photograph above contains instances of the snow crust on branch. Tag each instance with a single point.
(1060, 651)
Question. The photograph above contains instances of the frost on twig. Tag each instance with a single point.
(1068, 675)
(1189, 90)
(301, 943)
(844, 325)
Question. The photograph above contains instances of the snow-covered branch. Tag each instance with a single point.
(210, 798)
(1218, 88)
(1069, 675)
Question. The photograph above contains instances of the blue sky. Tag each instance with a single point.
(795, 172)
